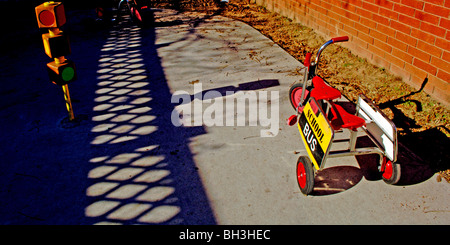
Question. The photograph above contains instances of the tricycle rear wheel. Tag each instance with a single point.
(391, 172)
(305, 175)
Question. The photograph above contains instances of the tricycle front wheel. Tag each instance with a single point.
(295, 95)
(305, 175)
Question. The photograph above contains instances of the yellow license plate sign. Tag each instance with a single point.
(316, 132)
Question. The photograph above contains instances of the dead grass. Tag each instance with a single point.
(198, 5)
(342, 69)
(422, 122)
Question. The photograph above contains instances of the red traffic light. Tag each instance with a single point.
(50, 15)
(61, 73)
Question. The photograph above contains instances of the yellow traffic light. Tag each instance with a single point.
(50, 15)
(56, 45)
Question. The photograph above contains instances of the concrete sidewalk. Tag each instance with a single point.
(255, 181)
(123, 161)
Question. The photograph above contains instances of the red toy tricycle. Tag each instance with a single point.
(319, 117)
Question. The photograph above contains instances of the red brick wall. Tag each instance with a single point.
(410, 38)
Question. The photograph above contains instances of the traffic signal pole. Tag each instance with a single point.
(65, 88)
(51, 16)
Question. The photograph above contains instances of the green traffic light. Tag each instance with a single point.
(67, 74)
(61, 72)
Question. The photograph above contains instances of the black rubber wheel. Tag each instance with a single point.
(305, 175)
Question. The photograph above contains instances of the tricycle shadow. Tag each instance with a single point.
(414, 170)
(338, 179)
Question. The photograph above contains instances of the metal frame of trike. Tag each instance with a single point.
(314, 120)
(352, 150)
(377, 149)
(377, 128)
(318, 136)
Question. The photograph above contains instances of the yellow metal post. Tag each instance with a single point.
(68, 102)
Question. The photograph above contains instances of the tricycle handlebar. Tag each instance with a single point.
(332, 40)
(340, 39)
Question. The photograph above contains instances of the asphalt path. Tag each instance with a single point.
(131, 158)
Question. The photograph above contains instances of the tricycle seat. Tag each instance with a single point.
(322, 91)
(343, 119)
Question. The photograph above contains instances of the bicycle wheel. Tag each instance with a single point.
(295, 94)
(305, 175)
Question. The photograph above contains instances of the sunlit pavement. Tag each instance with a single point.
(123, 161)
